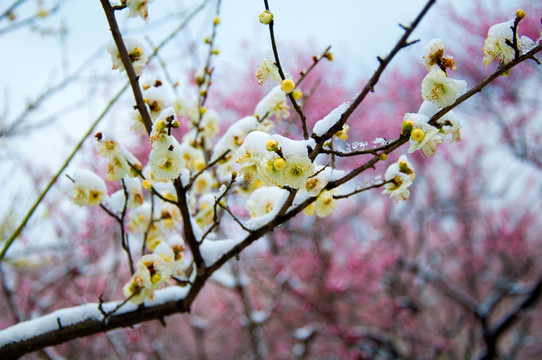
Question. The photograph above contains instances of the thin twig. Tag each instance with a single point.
(283, 77)
(375, 186)
(55, 177)
(315, 62)
(127, 63)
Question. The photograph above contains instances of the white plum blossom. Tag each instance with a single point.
(163, 124)
(156, 100)
(205, 213)
(274, 103)
(203, 183)
(437, 87)
(495, 45)
(263, 200)
(423, 136)
(209, 124)
(194, 158)
(449, 122)
(499, 43)
(165, 160)
(267, 69)
(400, 176)
(119, 158)
(139, 218)
(134, 190)
(433, 54)
(152, 272)
(138, 8)
(88, 188)
(250, 155)
(318, 182)
(136, 51)
(297, 171)
(451, 125)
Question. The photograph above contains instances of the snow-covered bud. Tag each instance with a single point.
(272, 145)
(88, 188)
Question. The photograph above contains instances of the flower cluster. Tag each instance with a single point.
(503, 42)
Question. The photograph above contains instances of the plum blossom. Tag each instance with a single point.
(165, 160)
(400, 176)
(423, 136)
(153, 272)
(433, 54)
(88, 188)
(136, 51)
(440, 89)
(263, 200)
(273, 104)
(268, 69)
(495, 45)
(138, 8)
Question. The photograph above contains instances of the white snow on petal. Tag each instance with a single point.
(212, 250)
(259, 221)
(322, 126)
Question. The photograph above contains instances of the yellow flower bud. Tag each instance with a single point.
(417, 135)
(383, 157)
(279, 164)
(202, 110)
(216, 20)
(272, 145)
(266, 17)
(287, 86)
(207, 40)
(176, 124)
(297, 94)
(215, 51)
(520, 14)
(329, 56)
(407, 127)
